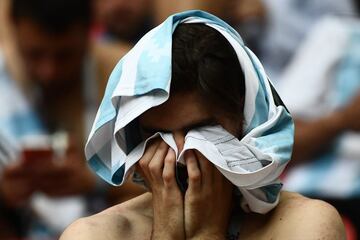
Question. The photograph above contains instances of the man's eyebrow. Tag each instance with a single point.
(186, 128)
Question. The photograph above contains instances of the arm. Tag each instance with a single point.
(314, 137)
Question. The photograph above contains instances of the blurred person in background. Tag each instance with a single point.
(121, 20)
(65, 75)
(321, 86)
(287, 23)
(248, 17)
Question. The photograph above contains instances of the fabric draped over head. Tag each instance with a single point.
(141, 80)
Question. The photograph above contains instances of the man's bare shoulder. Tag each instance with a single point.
(298, 217)
(309, 218)
(114, 223)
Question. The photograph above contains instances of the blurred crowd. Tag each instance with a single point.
(56, 56)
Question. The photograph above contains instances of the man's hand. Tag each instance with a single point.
(157, 166)
(207, 199)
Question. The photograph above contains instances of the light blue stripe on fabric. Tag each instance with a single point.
(97, 163)
(261, 106)
(106, 109)
(154, 66)
(272, 191)
(114, 175)
(99, 167)
(278, 139)
(261, 111)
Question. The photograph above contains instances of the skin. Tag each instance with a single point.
(164, 213)
(328, 128)
(158, 168)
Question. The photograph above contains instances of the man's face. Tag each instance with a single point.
(181, 113)
(51, 59)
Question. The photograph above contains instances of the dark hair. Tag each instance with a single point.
(204, 61)
(54, 16)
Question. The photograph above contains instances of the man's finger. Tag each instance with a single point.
(169, 169)
(193, 170)
(156, 164)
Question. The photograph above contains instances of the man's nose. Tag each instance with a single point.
(179, 138)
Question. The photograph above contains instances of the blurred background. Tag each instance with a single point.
(56, 56)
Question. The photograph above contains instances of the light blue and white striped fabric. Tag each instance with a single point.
(141, 80)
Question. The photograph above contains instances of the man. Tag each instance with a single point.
(211, 103)
(63, 75)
